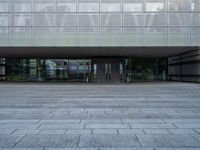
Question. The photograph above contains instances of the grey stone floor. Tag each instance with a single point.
(138, 116)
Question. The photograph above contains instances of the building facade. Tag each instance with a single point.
(92, 29)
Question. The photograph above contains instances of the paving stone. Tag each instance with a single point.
(21, 148)
(71, 149)
(7, 141)
(61, 126)
(6, 131)
(188, 126)
(82, 132)
(177, 148)
(152, 126)
(145, 121)
(126, 148)
(60, 121)
(23, 132)
(107, 126)
(52, 132)
(182, 131)
(108, 141)
(55, 141)
(18, 126)
(130, 131)
(156, 131)
(167, 141)
(105, 131)
(129, 109)
(102, 121)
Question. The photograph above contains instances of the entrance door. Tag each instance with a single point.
(107, 70)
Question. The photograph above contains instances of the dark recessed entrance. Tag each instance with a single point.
(108, 69)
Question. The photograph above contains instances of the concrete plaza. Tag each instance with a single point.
(136, 116)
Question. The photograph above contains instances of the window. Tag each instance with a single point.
(66, 6)
(155, 5)
(42, 36)
(155, 19)
(3, 36)
(156, 36)
(42, 19)
(65, 19)
(179, 36)
(88, 20)
(133, 6)
(20, 20)
(20, 36)
(133, 19)
(21, 5)
(111, 36)
(4, 6)
(195, 36)
(3, 19)
(88, 5)
(133, 36)
(65, 36)
(180, 19)
(111, 19)
(110, 5)
(88, 36)
(179, 5)
(43, 5)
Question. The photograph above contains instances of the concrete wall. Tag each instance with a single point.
(185, 67)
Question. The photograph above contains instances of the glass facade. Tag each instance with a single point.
(99, 23)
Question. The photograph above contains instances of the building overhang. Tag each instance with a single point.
(88, 52)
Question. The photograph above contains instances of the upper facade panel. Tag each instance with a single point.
(99, 23)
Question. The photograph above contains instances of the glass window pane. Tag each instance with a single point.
(3, 36)
(195, 36)
(156, 19)
(110, 5)
(21, 5)
(110, 36)
(43, 5)
(156, 5)
(43, 19)
(111, 19)
(179, 19)
(66, 6)
(42, 36)
(179, 5)
(3, 19)
(65, 19)
(133, 19)
(195, 19)
(88, 20)
(156, 36)
(20, 20)
(4, 6)
(179, 36)
(133, 36)
(65, 36)
(195, 5)
(88, 5)
(133, 6)
(88, 36)
(20, 36)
